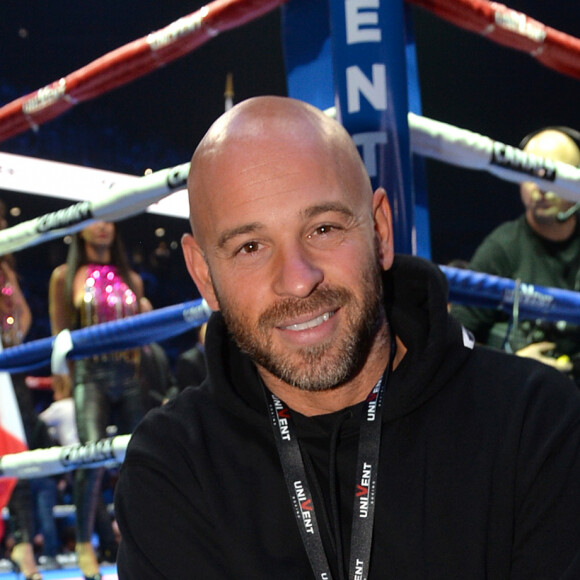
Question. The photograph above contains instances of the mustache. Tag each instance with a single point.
(329, 298)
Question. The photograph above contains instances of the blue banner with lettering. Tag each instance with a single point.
(365, 61)
(307, 52)
(368, 48)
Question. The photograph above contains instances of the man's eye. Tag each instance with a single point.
(249, 248)
(327, 235)
(323, 230)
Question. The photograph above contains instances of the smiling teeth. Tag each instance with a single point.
(311, 323)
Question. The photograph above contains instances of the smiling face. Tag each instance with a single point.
(289, 242)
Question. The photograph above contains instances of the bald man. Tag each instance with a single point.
(348, 427)
(540, 247)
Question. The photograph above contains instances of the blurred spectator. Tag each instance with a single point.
(191, 366)
(541, 247)
(96, 285)
(60, 418)
(15, 321)
(155, 375)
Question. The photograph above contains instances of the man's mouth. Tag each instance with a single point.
(312, 323)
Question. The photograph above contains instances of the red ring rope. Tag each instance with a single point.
(503, 25)
(129, 62)
(554, 49)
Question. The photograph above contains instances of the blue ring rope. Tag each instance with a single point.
(129, 332)
(487, 291)
(465, 287)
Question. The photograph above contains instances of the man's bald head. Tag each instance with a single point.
(554, 144)
(275, 127)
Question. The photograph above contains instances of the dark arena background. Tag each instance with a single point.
(156, 121)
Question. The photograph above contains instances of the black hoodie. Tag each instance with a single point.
(479, 465)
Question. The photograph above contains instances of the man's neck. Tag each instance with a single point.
(310, 403)
(553, 230)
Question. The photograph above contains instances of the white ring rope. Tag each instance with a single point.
(429, 138)
(121, 202)
(464, 148)
(108, 452)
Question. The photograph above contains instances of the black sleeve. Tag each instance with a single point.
(173, 536)
(547, 494)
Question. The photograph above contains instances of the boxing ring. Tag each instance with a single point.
(428, 138)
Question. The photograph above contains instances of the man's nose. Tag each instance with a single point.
(296, 273)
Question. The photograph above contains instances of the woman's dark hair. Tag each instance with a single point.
(77, 257)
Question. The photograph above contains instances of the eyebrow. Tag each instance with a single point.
(226, 236)
(330, 206)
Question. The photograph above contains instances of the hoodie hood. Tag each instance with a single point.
(415, 297)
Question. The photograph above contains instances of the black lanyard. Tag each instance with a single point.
(365, 483)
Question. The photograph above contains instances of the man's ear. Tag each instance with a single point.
(383, 227)
(199, 270)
